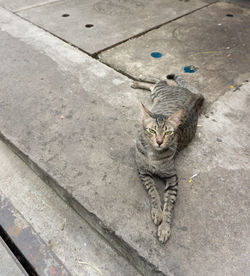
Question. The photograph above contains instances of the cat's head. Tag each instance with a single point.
(159, 130)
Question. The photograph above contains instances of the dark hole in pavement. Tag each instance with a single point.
(65, 15)
(156, 54)
(230, 15)
(89, 25)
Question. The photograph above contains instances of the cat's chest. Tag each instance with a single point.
(160, 165)
(153, 165)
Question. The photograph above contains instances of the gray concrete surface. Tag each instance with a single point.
(19, 5)
(113, 21)
(61, 131)
(25, 243)
(9, 265)
(64, 232)
(208, 39)
(243, 3)
(57, 80)
(214, 207)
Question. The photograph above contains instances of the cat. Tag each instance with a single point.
(167, 128)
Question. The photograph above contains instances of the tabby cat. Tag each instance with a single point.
(168, 127)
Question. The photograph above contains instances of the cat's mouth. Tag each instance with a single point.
(159, 147)
(162, 147)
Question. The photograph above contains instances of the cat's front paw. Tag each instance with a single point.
(164, 232)
(156, 214)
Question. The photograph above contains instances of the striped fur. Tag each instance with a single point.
(168, 127)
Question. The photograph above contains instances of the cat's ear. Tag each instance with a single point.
(147, 112)
(176, 118)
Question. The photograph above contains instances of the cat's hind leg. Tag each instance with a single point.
(149, 79)
(142, 85)
(147, 83)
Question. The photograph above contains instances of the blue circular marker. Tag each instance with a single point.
(156, 54)
(190, 69)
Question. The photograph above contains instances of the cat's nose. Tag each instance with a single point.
(159, 141)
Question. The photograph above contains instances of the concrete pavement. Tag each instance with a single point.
(60, 228)
(214, 43)
(76, 126)
(8, 263)
(96, 25)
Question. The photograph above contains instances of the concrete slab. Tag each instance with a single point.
(8, 263)
(243, 3)
(19, 5)
(214, 208)
(208, 39)
(76, 126)
(37, 258)
(112, 21)
(69, 237)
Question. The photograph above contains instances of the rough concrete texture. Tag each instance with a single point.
(214, 207)
(71, 124)
(61, 131)
(243, 3)
(113, 21)
(64, 232)
(19, 5)
(9, 265)
(208, 39)
(33, 249)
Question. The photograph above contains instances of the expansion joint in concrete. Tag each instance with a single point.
(122, 247)
(58, 37)
(36, 6)
(96, 54)
(149, 30)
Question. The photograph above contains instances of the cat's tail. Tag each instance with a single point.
(181, 82)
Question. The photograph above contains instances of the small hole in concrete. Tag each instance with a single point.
(230, 15)
(65, 15)
(156, 54)
(89, 25)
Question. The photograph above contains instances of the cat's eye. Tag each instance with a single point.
(151, 130)
(169, 132)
